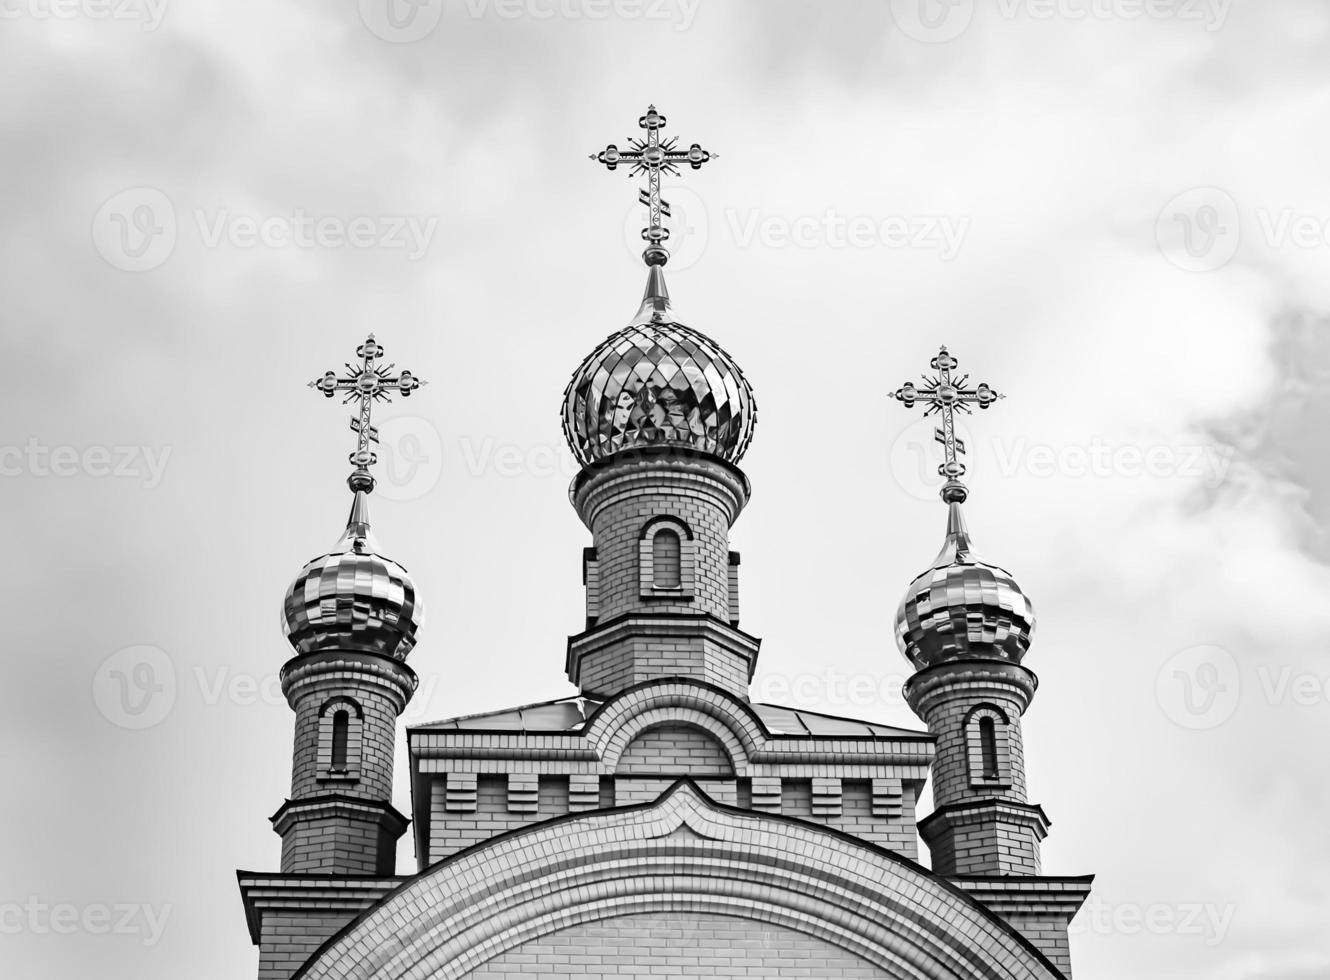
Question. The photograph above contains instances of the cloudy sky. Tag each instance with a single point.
(1114, 211)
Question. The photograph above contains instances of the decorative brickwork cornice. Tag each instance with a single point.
(664, 644)
(970, 679)
(681, 852)
(982, 812)
(333, 671)
(642, 470)
(334, 805)
(264, 893)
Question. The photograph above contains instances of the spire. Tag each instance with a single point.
(357, 538)
(655, 306)
(957, 549)
(653, 156)
(366, 383)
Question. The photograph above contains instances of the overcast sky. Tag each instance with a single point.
(1113, 211)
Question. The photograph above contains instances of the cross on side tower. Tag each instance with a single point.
(653, 156)
(367, 382)
(944, 396)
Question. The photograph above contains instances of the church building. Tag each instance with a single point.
(659, 822)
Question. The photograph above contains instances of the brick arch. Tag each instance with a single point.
(681, 853)
(715, 711)
(680, 742)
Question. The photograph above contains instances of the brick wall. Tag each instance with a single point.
(674, 945)
(678, 749)
(289, 939)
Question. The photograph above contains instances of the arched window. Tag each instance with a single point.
(341, 725)
(665, 560)
(988, 747)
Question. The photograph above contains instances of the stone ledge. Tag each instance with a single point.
(316, 894)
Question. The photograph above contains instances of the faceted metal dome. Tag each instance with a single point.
(353, 598)
(657, 382)
(963, 608)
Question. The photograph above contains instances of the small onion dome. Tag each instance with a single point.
(658, 383)
(963, 608)
(353, 598)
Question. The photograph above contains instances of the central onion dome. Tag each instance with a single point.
(963, 608)
(658, 383)
(353, 598)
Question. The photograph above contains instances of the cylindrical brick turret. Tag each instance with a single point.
(660, 574)
(982, 823)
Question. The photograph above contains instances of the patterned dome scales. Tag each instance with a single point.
(657, 382)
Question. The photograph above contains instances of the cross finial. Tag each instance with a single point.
(944, 396)
(653, 156)
(366, 382)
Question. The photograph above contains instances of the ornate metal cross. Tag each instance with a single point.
(653, 156)
(944, 395)
(366, 382)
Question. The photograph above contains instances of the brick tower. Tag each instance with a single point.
(966, 625)
(351, 616)
(659, 492)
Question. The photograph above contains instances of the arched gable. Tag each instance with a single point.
(719, 714)
(681, 853)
